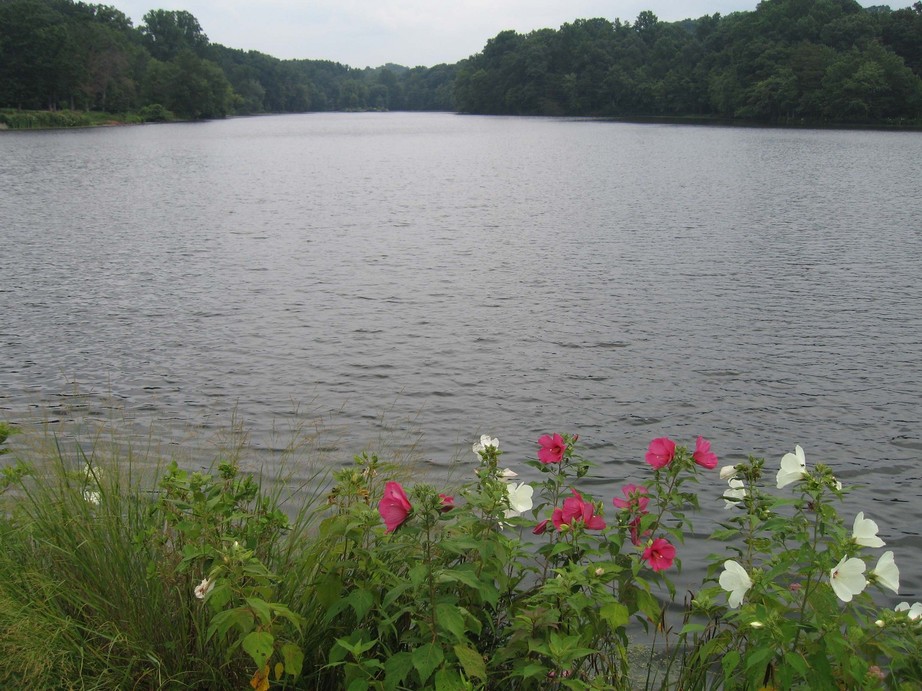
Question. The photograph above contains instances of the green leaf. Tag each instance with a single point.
(471, 661)
(425, 659)
(222, 622)
(449, 618)
(396, 669)
(258, 645)
(616, 614)
(261, 608)
(283, 611)
(730, 662)
(648, 604)
(692, 628)
(360, 601)
(797, 663)
(449, 680)
(294, 659)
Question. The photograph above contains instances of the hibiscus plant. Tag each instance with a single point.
(799, 610)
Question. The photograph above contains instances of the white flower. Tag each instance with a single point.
(793, 467)
(756, 624)
(203, 588)
(847, 578)
(735, 581)
(886, 572)
(507, 474)
(519, 498)
(914, 612)
(485, 441)
(727, 472)
(736, 493)
(91, 496)
(865, 532)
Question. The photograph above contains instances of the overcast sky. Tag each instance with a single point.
(364, 33)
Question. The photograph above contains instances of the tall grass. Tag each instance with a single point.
(94, 591)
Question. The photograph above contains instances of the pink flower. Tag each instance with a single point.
(660, 452)
(541, 528)
(552, 448)
(703, 455)
(574, 510)
(448, 503)
(636, 500)
(659, 555)
(394, 506)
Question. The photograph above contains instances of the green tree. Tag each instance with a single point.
(167, 33)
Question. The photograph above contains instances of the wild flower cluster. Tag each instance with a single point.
(499, 583)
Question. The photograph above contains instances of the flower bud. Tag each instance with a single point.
(727, 472)
(756, 624)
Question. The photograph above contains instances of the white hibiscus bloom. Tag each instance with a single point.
(485, 441)
(203, 588)
(847, 578)
(793, 467)
(886, 572)
(913, 612)
(736, 493)
(519, 498)
(735, 581)
(864, 532)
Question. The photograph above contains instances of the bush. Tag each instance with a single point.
(156, 113)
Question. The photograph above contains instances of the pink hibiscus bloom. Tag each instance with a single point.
(541, 528)
(552, 448)
(660, 452)
(576, 509)
(394, 506)
(659, 555)
(636, 500)
(703, 455)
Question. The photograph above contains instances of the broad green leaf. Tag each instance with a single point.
(449, 680)
(616, 614)
(258, 645)
(471, 661)
(222, 622)
(261, 608)
(730, 661)
(294, 659)
(396, 669)
(450, 619)
(425, 659)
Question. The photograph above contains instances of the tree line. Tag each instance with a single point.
(785, 61)
(788, 60)
(57, 54)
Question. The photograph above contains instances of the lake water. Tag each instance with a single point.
(425, 278)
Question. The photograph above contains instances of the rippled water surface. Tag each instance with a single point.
(449, 276)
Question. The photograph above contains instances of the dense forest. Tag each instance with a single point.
(785, 61)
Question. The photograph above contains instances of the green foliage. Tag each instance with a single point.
(790, 630)
(788, 61)
(201, 580)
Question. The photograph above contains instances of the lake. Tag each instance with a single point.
(412, 281)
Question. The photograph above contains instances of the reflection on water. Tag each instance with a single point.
(398, 275)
